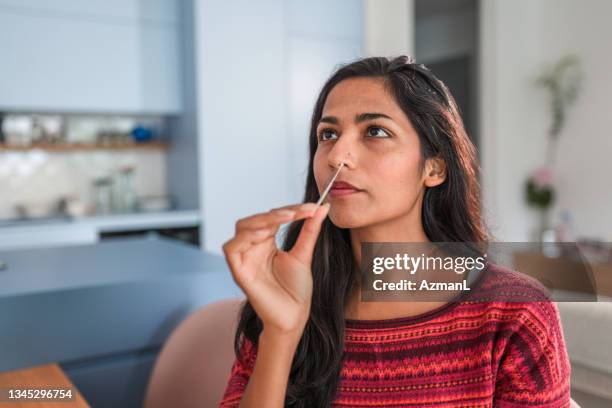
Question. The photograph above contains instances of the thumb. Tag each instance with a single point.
(304, 247)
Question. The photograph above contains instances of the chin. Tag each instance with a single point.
(345, 219)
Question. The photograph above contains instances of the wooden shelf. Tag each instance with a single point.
(69, 147)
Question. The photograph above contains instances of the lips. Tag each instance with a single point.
(343, 188)
(343, 185)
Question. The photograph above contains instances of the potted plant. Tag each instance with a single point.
(562, 81)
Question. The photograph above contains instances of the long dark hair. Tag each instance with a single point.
(451, 213)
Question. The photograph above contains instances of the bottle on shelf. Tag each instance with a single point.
(125, 196)
(103, 195)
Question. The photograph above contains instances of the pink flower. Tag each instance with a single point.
(542, 177)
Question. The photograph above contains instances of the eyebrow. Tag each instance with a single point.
(361, 117)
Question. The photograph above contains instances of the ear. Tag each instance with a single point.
(434, 172)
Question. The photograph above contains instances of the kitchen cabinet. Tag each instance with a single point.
(98, 56)
(130, 10)
(103, 311)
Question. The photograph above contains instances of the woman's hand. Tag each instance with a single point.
(278, 284)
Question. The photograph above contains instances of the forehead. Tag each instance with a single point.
(358, 95)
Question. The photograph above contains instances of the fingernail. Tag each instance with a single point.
(261, 232)
(285, 212)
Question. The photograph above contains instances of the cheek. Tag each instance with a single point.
(399, 176)
(319, 164)
(320, 167)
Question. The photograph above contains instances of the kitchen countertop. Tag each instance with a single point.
(113, 222)
(108, 262)
(86, 230)
(71, 303)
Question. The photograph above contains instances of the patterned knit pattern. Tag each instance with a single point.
(463, 354)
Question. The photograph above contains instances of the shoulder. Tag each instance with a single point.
(517, 302)
(503, 284)
(531, 361)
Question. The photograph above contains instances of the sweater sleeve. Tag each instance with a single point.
(534, 370)
(239, 376)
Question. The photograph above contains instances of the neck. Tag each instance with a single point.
(408, 228)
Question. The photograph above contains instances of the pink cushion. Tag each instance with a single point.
(194, 364)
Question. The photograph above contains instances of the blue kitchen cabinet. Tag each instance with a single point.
(95, 56)
(103, 311)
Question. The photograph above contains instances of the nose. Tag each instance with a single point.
(341, 152)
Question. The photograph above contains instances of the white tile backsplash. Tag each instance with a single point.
(38, 179)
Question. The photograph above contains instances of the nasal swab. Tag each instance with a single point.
(322, 198)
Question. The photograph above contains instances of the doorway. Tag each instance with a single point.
(446, 41)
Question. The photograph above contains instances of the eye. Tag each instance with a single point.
(326, 134)
(377, 132)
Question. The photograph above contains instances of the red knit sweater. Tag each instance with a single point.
(464, 354)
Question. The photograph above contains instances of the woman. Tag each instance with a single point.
(305, 338)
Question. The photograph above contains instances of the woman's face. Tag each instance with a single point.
(363, 125)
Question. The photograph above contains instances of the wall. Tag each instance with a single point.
(388, 28)
(258, 68)
(241, 111)
(518, 39)
(315, 45)
(584, 155)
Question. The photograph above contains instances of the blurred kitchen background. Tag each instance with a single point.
(124, 122)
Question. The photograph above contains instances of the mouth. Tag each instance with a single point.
(342, 188)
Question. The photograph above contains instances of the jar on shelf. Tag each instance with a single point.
(103, 195)
(125, 197)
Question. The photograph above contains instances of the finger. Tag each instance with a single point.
(234, 248)
(263, 220)
(245, 238)
(294, 207)
(304, 246)
(233, 257)
(276, 217)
